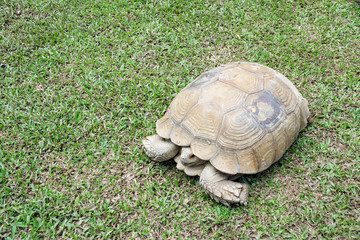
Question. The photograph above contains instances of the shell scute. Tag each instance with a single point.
(282, 92)
(242, 79)
(182, 103)
(204, 79)
(226, 161)
(164, 126)
(247, 161)
(292, 128)
(280, 141)
(305, 114)
(180, 136)
(266, 109)
(265, 151)
(256, 68)
(239, 130)
(220, 93)
(203, 121)
(204, 150)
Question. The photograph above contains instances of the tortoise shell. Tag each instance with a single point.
(241, 117)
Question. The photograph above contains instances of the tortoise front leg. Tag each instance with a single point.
(221, 189)
(159, 149)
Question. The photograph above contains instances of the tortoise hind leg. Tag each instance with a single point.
(220, 188)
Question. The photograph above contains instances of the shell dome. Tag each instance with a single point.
(241, 117)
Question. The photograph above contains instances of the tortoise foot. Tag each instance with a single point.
(221, 189)
(227, 192)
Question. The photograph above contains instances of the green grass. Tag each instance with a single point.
(82, 82)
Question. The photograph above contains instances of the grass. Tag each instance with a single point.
(82, 82)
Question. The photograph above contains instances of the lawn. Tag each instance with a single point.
(83, 82)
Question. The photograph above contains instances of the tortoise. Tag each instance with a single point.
(236, 119)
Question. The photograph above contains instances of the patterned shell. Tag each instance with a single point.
(241, 117)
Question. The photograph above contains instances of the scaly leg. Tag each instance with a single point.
(159, 149)
(220, 188)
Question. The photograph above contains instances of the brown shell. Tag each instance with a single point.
(241, 117)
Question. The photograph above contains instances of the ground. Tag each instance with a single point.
(82, 82)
